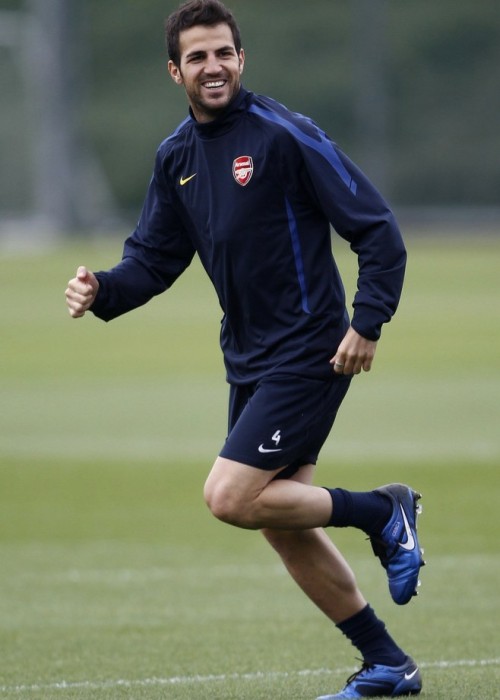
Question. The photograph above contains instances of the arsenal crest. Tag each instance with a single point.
(243, 170)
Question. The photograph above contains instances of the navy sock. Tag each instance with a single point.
(369, 635)
(367, 510)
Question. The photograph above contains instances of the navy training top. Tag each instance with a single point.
(254, 193)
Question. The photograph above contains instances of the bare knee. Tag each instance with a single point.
(233, 492)
(220, 502)
(226, 505)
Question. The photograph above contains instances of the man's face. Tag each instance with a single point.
(210, 69)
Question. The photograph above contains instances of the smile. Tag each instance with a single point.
(214, 84)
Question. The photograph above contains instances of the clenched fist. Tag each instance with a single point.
(81, 292)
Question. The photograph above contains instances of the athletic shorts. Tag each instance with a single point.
(282, 421)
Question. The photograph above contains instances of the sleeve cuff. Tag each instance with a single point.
(367, 322)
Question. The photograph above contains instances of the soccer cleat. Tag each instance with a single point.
(377, 681)
(397, 546)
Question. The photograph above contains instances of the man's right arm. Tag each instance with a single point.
(154, 256)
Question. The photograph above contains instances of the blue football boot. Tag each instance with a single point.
(397, 546)
(377, 681)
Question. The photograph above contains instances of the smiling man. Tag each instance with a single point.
(254, 189)
(209, 67)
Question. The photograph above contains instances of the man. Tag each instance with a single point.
(252, 189)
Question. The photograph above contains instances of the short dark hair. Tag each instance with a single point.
(193, 13)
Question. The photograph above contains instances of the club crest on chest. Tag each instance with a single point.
(243, 170)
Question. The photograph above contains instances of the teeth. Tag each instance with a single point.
(215, 84)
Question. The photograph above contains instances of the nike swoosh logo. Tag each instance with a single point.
(410, 542)
(409, 676)
(184, 180)
(263, 450)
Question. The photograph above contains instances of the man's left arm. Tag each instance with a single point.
(361, 216)
(373, 233)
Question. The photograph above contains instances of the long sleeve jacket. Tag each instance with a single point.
(255, 193)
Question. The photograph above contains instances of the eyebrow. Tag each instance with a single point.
(201, 52)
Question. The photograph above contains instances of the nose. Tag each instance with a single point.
(212, 64)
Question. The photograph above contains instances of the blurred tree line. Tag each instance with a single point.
(408, 88)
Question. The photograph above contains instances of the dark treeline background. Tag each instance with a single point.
(410, 89)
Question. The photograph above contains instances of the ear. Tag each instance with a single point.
(175, 73)
(242, 60)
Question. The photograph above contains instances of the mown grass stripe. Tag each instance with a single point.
(211, 678)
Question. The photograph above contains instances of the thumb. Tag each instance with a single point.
(82, 274)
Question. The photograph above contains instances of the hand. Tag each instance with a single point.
(354, 354)
(81, 292)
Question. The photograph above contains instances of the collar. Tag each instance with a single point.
(226, 120)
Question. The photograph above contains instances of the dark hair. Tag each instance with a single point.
(195, 12)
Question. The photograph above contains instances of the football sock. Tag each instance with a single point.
(367, 510)
(369, 635)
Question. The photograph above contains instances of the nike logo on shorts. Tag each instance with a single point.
(264, 450)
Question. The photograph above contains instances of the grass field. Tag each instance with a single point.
(115, 582)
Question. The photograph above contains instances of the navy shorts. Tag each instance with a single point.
(282, 421)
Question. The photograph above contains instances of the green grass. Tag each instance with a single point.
(115, 582)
